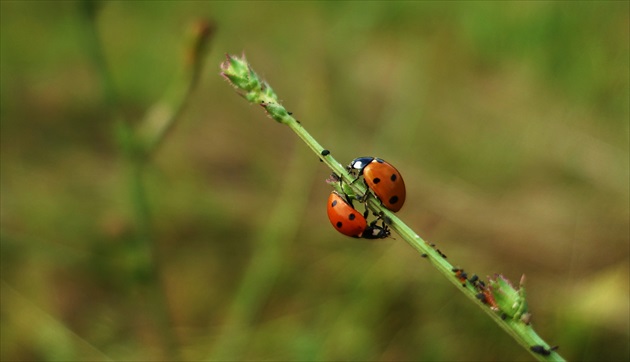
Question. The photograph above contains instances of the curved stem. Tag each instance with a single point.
(137, 146)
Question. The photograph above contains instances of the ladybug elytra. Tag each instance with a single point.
(348, 221)
(383, 179)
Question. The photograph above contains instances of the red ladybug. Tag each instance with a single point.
(348, 221)
(383, 179)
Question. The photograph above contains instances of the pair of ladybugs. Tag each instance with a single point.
(384, 181)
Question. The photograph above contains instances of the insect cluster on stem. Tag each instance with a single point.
(382, 180)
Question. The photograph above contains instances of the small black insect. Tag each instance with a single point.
(542, 350)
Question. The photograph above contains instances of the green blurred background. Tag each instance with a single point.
(509, 122)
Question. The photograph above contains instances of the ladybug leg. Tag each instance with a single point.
(366, 213)
(348, 200)
(353, 172)
(373, 230)
(382, 218)
(334, 178)
(386, 220)
(363, 198)
(384, 223)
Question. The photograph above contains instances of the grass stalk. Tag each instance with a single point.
(145, 268)
(270, 244)
(508, 307)
(137, 146)
(163, 115)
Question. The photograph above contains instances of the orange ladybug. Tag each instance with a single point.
(348, 221)
(383, 179)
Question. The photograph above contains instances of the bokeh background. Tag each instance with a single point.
(509, 122)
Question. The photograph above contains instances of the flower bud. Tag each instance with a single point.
(509, 300)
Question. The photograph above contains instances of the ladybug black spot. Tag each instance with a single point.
(339, 224)
(393, 199)
(393, 178)
(376, 180)
(351, 216)
(334, 203)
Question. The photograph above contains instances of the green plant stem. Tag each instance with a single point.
(523, 333)
(142, 252)
(163, 115)
(239, 73)
(279, 229)
(41, 320)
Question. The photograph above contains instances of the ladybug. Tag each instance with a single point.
(348, 221)
(383, 179)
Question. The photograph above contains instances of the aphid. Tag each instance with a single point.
(473, 280)
(461, 275)
(486, 297)
(542, 350)
(482, 297)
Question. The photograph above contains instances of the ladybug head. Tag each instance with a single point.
(374, 231)
(359, 163)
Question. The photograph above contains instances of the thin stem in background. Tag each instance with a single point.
(50, 325)
(278, 231)
(137, 147)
